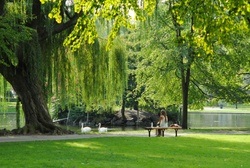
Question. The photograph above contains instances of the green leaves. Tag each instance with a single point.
(209, 37)
(116, 11)
(84, 31)
(11, 35)
(55, 14)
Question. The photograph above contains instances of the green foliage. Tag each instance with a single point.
(83, 71)
(12, 33)
(84, 31)
(156, 62)
(213, 42)
(91, 76)
(6, 96)
(222, 77)
(88, 73)
(90, 11)
(211, 21)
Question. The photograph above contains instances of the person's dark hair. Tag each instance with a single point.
(163, 112)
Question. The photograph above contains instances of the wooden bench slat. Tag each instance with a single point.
(176, 128)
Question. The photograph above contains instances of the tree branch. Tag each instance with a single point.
(60, 27)
(196, 83)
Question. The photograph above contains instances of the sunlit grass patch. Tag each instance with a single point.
(191, 150)
(222, 137)
(84, 145)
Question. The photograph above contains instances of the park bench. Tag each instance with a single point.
(175, 127)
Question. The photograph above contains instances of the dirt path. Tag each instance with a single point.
(26, 138)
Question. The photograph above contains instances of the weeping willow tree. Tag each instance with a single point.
(50, 48)
(97, 79)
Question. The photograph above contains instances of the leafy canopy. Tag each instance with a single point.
(116, 11)
(216, 35)
(13, 32)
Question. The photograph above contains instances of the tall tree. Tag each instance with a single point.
(210, 24)
(34, 52)
(183, 45)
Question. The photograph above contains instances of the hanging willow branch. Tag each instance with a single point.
(91, 76)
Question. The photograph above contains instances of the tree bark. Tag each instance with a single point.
(26, 82)
(185, 72)
(25, 77)
(185, 88)
(37, 118)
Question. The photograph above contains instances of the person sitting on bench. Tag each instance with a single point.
(163, 121)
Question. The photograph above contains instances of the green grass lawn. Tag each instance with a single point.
(191, 150)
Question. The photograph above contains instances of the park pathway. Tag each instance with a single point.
(23, 138)
(26, 138)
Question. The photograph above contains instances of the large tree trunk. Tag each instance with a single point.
(37, 118)
(185, 88)
(25, 77)
(186, 81)
(25, 80)
(185, 71)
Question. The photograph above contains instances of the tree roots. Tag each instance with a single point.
(29, 130)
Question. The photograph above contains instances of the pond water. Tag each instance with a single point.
(8, 121)
(195, 120)
(225, 120)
